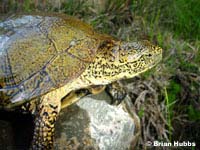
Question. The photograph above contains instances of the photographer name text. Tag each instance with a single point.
(174, 143)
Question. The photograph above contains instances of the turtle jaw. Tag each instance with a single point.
(132, 72)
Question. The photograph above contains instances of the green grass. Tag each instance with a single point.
(141, 112)
(75, 8)
(179, 16)
(193, 114)
(169, 112)
(171, 97)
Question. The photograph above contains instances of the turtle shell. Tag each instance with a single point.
(42, 52)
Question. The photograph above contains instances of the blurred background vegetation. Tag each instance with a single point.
(167, 98)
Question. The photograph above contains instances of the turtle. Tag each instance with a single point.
(48, 61)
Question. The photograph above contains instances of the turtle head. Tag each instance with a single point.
(133, 58)
(122, 60)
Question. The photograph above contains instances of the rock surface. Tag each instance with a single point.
(89, 124)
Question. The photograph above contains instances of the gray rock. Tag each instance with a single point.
(92, 123)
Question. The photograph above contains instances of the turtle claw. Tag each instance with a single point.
(116, 92)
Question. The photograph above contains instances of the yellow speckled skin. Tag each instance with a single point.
(44, 58)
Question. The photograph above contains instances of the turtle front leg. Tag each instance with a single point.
(45, 117)
(116, 92)
(78, 94)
